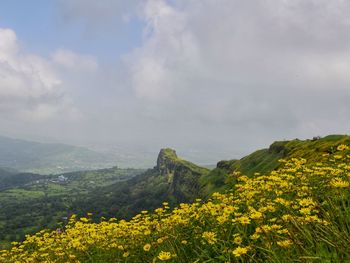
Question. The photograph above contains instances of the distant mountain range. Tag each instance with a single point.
(47, 158)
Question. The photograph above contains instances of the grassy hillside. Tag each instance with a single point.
(266, 160)
(298, 212)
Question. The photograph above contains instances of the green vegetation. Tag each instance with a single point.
(298, 212)
(172, 179)
(30, 202)
(38, 201)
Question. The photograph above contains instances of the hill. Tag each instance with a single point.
(266, 160)
(35, 201)
(172, 179)
(296, 211)
(46, 158)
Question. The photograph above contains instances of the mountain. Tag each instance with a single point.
(173, 180)
(46, 158)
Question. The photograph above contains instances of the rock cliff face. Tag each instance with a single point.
(182, 176)
(166, 162)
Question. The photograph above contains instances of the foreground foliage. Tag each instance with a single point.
(300, 212)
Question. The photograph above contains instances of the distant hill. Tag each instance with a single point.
(45, 158)
(6, 171)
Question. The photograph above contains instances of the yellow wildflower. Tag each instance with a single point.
(244, 220)
(237, 240)
(239, 251)
(285, 243)
(163, 256)
(342, 147)
(147, 247)
(210, 237)
(339, 183)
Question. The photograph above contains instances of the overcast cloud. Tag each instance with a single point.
(216, 77)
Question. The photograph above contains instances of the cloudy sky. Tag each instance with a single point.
(215, 77)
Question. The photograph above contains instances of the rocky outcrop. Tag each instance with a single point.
(166, 161)
(182, 176)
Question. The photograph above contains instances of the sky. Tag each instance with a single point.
(214, 79)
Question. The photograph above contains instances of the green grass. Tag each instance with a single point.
(266, 160)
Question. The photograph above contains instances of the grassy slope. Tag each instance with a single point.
(266, 160)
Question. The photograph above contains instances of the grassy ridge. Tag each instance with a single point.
(266, 160)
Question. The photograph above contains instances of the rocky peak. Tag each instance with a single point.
(166, 160)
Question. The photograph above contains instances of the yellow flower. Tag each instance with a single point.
(210, 237)
(126, 254)
(256, 215)
(244, 220)
(307, 202)
(237, 240)
(239, 251)
(338, 156)
(285, 243)
(255, 236)
(338, 183)
(184, 242)
(147, 247)
(342, 147)
(163, 256)
(305, 211)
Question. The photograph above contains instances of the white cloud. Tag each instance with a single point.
(8, 43)
(73, 61)
(248, 64)
(169, 49)
(30, 87)
(227, 73)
